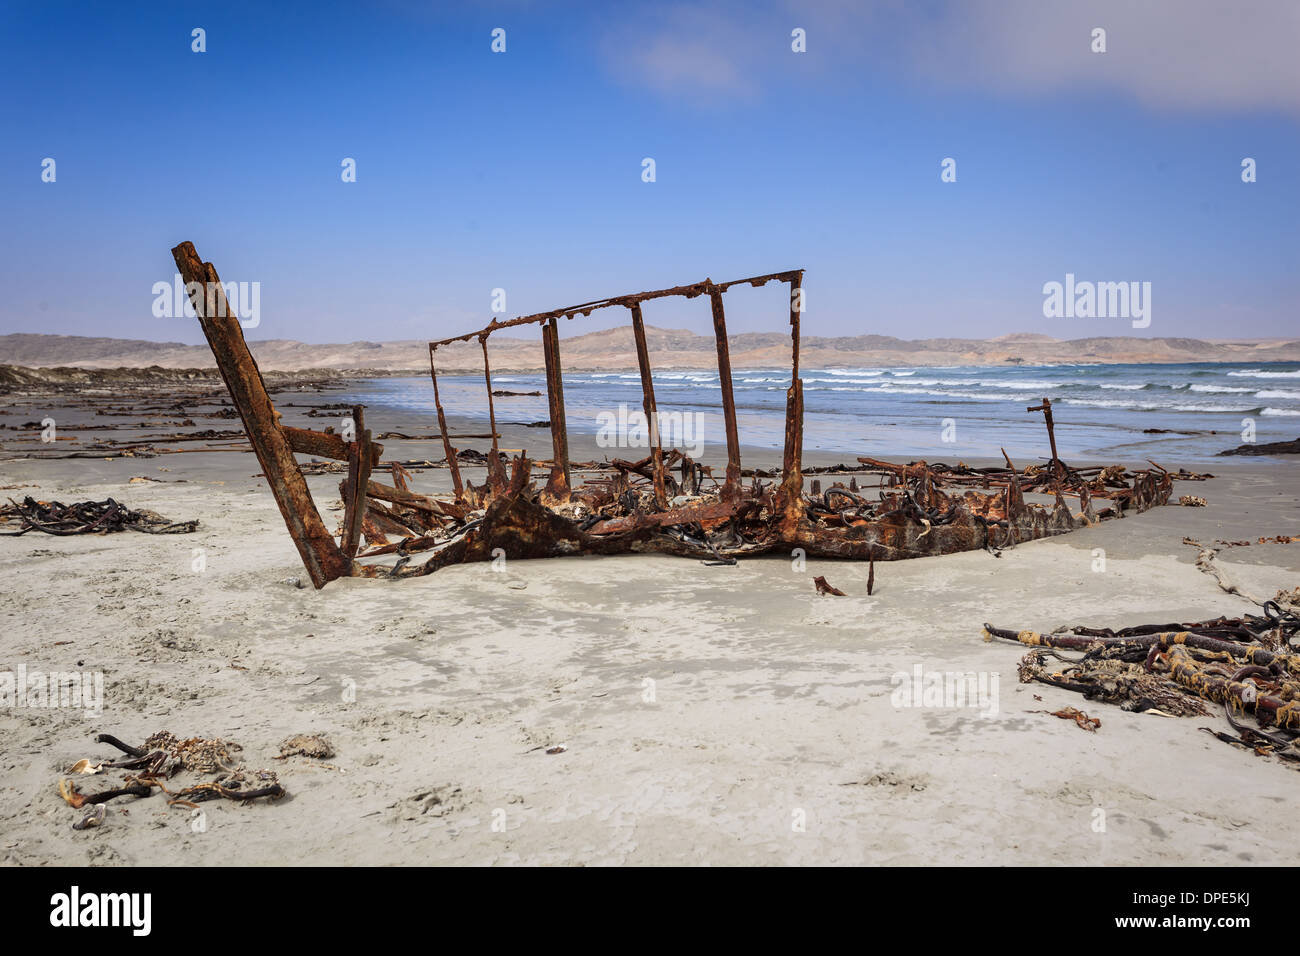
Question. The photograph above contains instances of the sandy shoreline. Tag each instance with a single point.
(770, 705)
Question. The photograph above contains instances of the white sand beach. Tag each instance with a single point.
(708, 715)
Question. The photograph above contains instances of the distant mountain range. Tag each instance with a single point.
(613, 349)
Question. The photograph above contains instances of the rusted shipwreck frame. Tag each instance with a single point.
(665, 502)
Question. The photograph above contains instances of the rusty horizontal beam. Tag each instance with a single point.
(711, 511)
(703, 287)
(305, 441)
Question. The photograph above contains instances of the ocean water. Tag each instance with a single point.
(944, 413)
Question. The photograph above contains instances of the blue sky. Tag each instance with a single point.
(522, 170)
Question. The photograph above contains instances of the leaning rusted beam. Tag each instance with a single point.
(649, 406)
(409, 499)
(320, 554)
(323, 445)
(380, 518)
(456, 485)
(732, 484)
(557, 488)
(408, 545)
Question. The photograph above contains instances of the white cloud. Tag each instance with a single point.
(1166, 54)
(712, 50)
(1218, 55)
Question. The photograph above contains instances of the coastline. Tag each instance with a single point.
(894, 425)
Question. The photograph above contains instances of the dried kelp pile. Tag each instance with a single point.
(85, 517)
(161, 757)
(1248, 666)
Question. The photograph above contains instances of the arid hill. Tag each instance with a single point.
(613, 349)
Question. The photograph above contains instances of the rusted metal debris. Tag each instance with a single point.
(1246, 665)
(825, 587)
(665, 502)
(1080, 718)
(86, 517)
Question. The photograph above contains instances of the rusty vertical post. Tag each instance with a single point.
(496, 474)
(796, 309)
(1046, 409)
(1015, 500)
(1055, 464)
(557, 487)
(648, 404)
(732, 485)
(320, 553)
(354, 497)
(792, 462)
(456, 485)
(487, 380)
